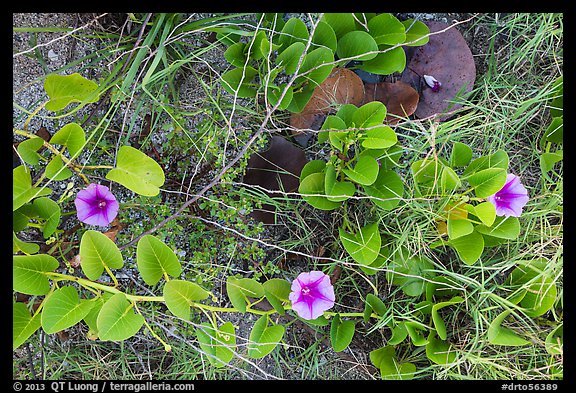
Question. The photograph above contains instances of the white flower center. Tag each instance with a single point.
(305, 291)
(102, 204)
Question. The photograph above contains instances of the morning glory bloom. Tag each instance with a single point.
(432, 82)
(511, 198)
(96, 205)
(312, 294)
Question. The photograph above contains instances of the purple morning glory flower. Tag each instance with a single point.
(96, 205)
(312, 294)
(432, 82)
(511, 198)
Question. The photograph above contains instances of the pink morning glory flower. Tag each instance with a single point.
(96, 205)
(511, 198)
(312, 294)
(432, 82)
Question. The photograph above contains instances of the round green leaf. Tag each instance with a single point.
(555, 341)
(365, 171)
(469, 247)
(26, 247)
(276, 291)
(293, 31)
(22, 190)
(386, 29)
(409, 272)
(449, 181)
(96, 252)
(499, 159)
(154, 259)
(416, 32)
(440, 352)
(341, 23)
(437, 319)
(487, 181)
(65, 89)
(274, 94)
(72, 136)
(23, 324)
(486, 212)
(236, 54)
(337, 190)
(312, 190)
(324, 36)
(179, 296)
(63, 309)
(458, 228)
(363, 246)
(502, 227)
(555, 131)
(461, 155)
(28, 150)
(137, 172)
(381, 137)
(28, 273)
(50, 211)
(263, 338)
(373, 303)
(357, 45)
(369, 114)
(290, 56)
(218, 344)
(238, 81)
(56, 170)
(499, 335)
(387, 190)
(341, 333)
(117, 321)
(386, 63)
(313, 66)
(314, 166)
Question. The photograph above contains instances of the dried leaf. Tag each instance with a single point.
(275, 169)
(113, 231)
(342, 86)
(447, 58)
(400, 99)
(75, 262)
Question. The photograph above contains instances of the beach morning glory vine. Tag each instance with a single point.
(96, 205)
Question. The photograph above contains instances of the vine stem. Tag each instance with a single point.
(205, 307)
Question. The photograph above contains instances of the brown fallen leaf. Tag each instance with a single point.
(400, 99)
(342, 86)
(275, 169)
(114, 229)
(448, 59)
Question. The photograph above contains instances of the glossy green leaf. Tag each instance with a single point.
(458, 228)
(137, 172)
(65, 89)
(440, 352)
(346, 113)
(341, 23)
(26, 247)
(276, 291)
(414, 332)
(28, 150)
(498, 159)
(534, 287)
(72, 136)
(238, 81)
(369, 114)
(502, 227)
(409, 272)
(290, 57)
(97, 251)
(399, 334)
(469, 247)
(331, 122)
(357, 45)
(324, 36)
(236, 54)
(263, 338)
(548, 160)
(91, 319)
(461, 155)
(50, 212)
(63, 309)
(56, 170)
(555, 131)
(22, 190)
(179, 296)
(316, 67)
(390, 368)
(487, 181)
(387, 190)
(365, 170)
(28, 273)
(373, 303)
(449, 180)
(386, 29)
(219, 344)
(437, 319)
(379, 138)
(426, 171)
(555, 341)
(337, 191)
(341, 333)
(300, 98)
(239, 289)
(154, 259)
(313, 190)
(293, 31)
(363, 246)
(416, 32)
(499, 335)
(23, 324)
(386, 63)
(374, 267)
(314, 166)
(486, 212)
(117, 320)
